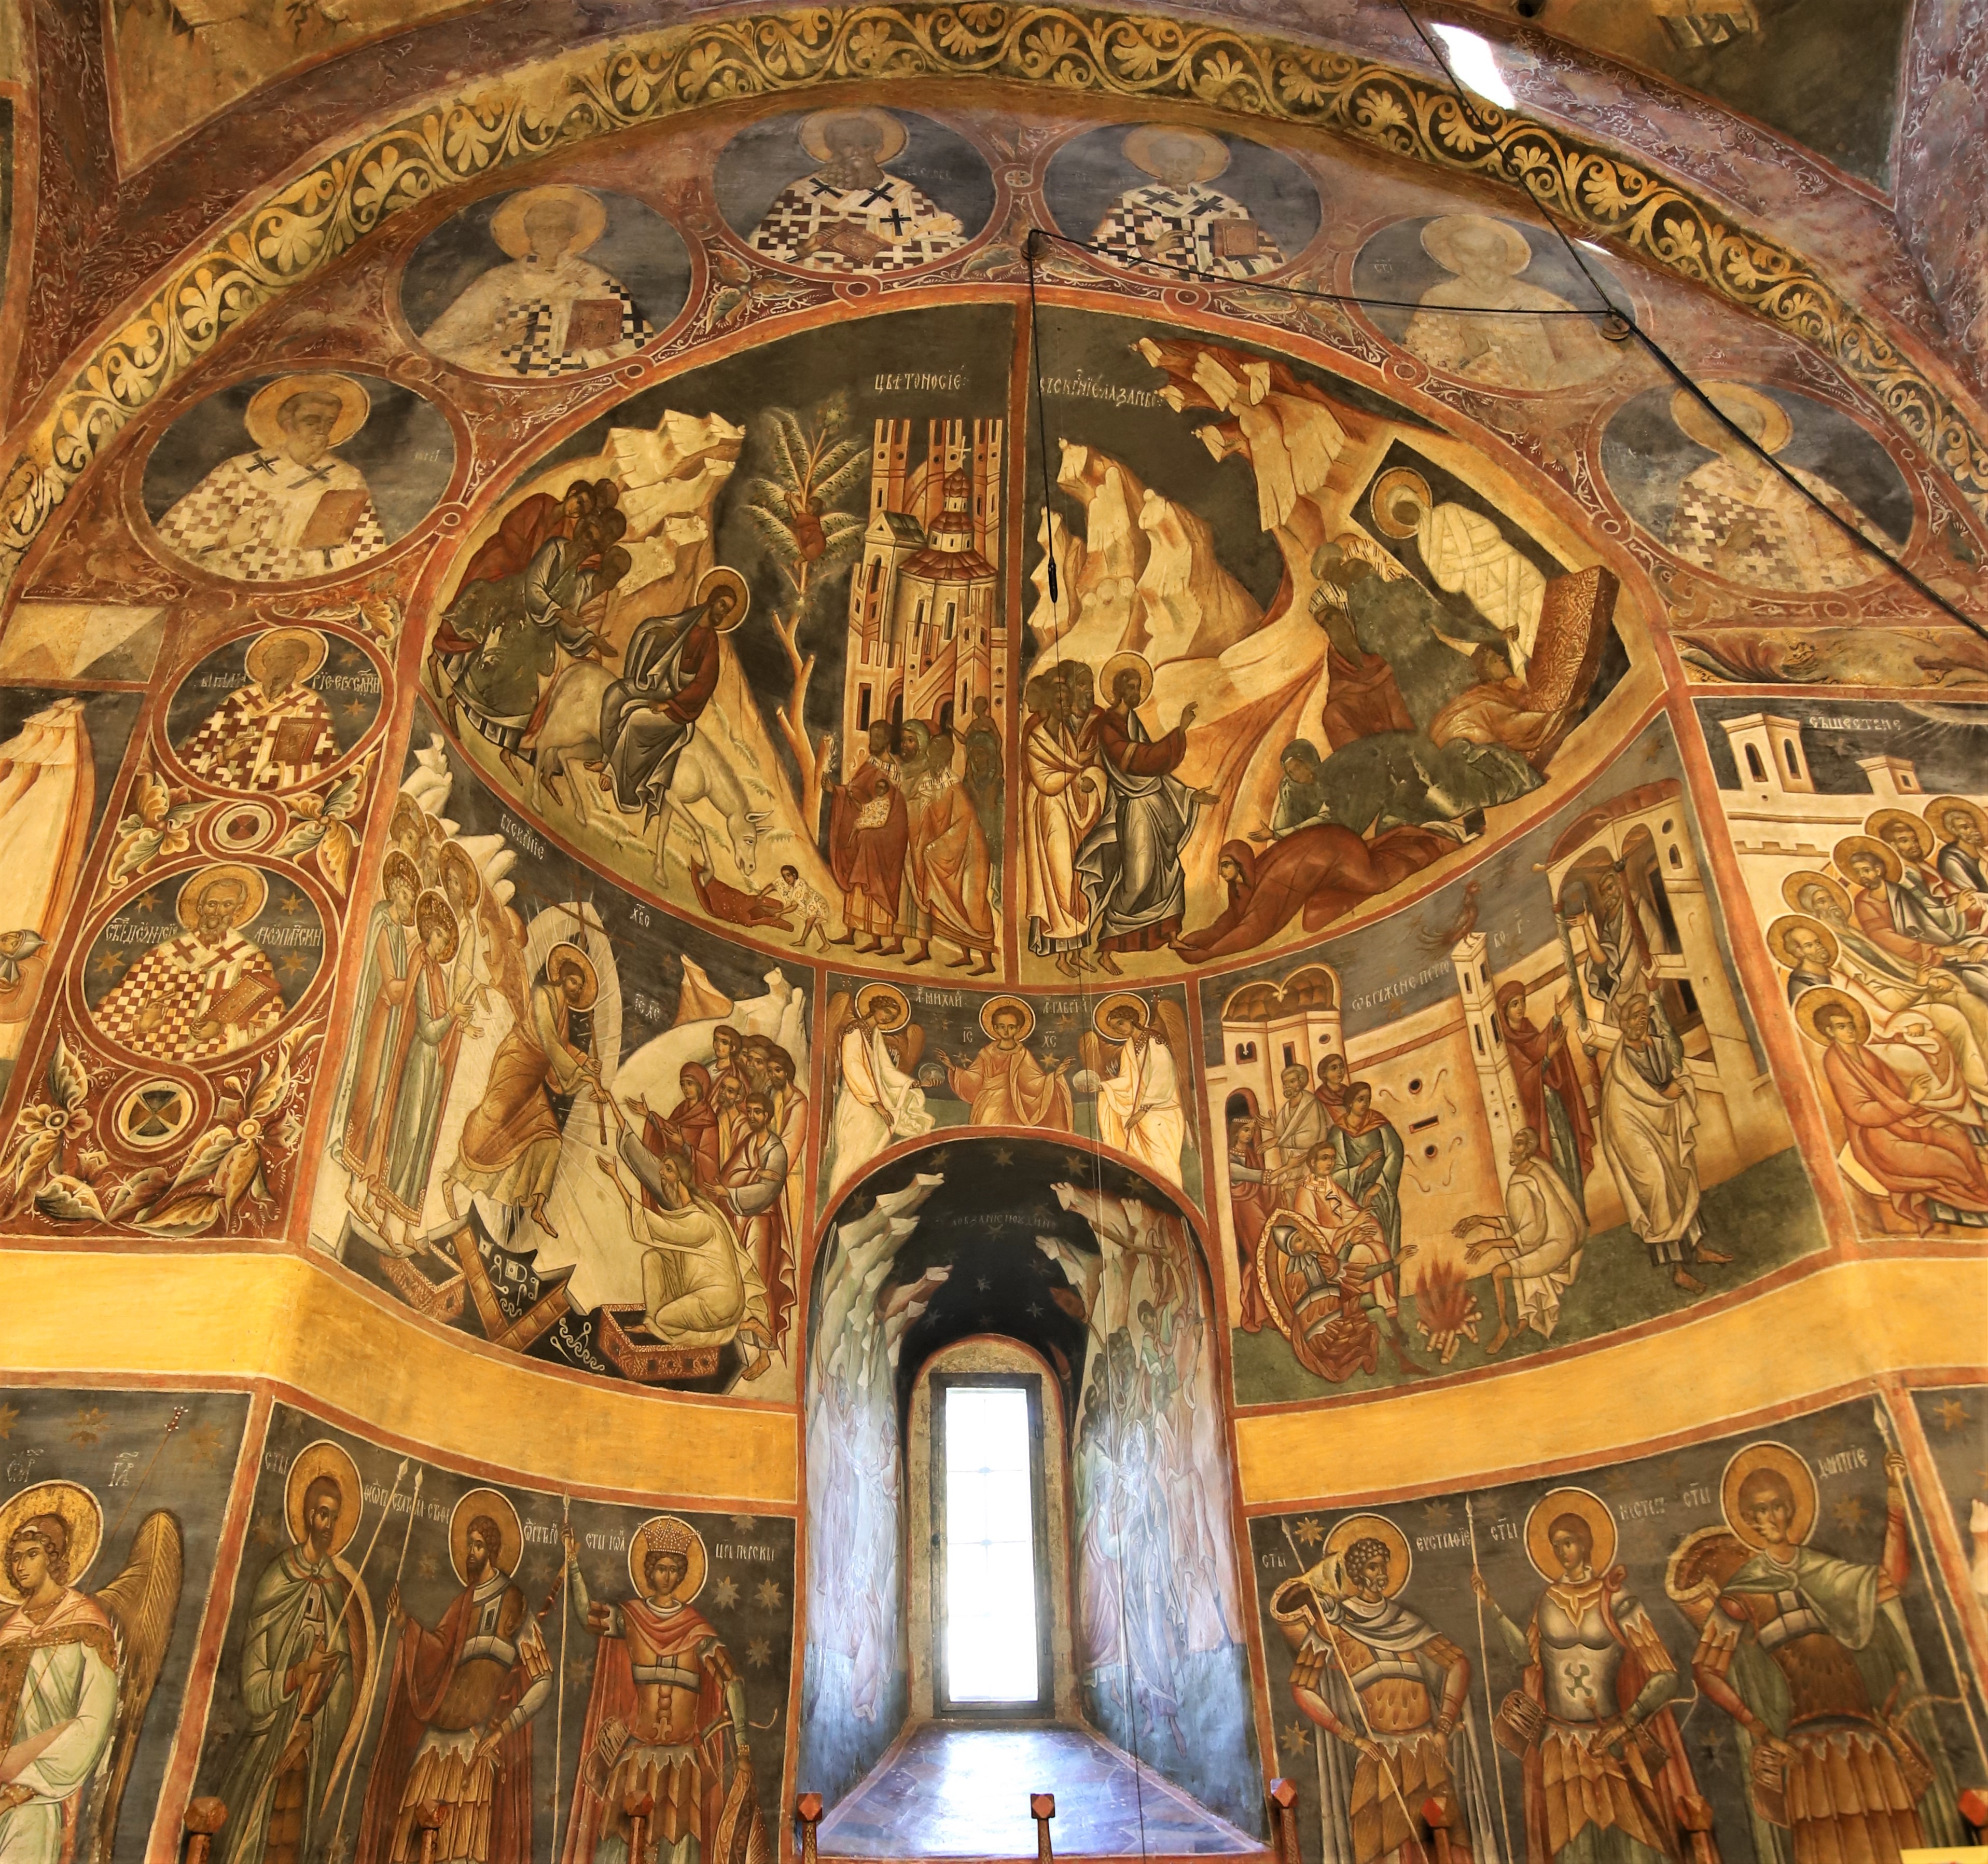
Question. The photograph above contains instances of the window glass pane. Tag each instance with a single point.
(990, 1547)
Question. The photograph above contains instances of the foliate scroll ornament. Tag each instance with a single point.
(315, 217)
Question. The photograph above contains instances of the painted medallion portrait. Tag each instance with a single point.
(547, 281)
(1442, 265)
(853, 192)
(288, 477)
(273, 711)
(204, 964)
(1169, 195)
(1696, 486)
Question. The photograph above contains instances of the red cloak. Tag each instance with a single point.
(1326, 869)
(614, 1700)
(424, 1665)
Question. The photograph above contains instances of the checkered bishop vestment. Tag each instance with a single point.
(250, 742)
(251, 518)
(798, 228)
(1182, 226)
(193, 981)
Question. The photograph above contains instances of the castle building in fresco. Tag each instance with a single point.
(927, 635)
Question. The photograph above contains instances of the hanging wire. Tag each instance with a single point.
(1619, 323)
(1662, 357)
(1084, 1015)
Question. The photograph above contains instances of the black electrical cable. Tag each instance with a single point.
(1666, 362)
(1083, 1012)
(1618, 324)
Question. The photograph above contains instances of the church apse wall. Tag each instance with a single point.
(544, 792)
(1093, 1266)
(403, 1633)
(1615, 1637)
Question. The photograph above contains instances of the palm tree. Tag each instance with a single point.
(814, 461)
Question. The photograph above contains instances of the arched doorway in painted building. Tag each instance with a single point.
(1008, 1259)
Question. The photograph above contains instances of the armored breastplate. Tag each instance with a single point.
(1578, 1660)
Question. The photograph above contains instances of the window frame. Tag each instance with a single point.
(1042, 1707)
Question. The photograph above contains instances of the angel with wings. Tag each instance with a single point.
(76, 1669)
(873, 1049)
(1137, 1073)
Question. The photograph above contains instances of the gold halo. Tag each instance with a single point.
(354, 405)
(671, 1530)
(1380, 501)
(814, 132)
(730, 579)
(81, 1513)
(198, 883)
(432, 905)
(507, 224)
(1791, 890)
(259, 650)
(1370, 1527)
(1729, 397)
(1811, 1003)
(399, 864)
(1880, 819)
(510, 1536)
(323, 1458)
(1866, 844)
(1015, 1003)
(454, 855)
(561, 958)
(1108, 1006)
(1789, 1464)
(1779, 933)
(1939, 807)
(872, 993)
(1548, 1509)
(1139, 144)
(1117, 665)
(1439, 239)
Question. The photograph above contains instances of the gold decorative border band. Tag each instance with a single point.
(319, 216)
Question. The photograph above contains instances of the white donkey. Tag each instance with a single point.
(570, 737)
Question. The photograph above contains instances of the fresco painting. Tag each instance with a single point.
(1485, 263)
(851, 193)
(1695, 485)
(545, 282)
(1955, 1419)
(405, 1635)
(1824, 75)
(1260, 706)
(109, 1522)
(299, 475)
(60, 758)
(1551, 1118)
(1861, 831)
(553, 1132)
(666, 789)
(172, 68)
(1186, 200)
(905, 1062)
(1643, 1640)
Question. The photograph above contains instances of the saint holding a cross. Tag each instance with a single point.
(851, 214)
